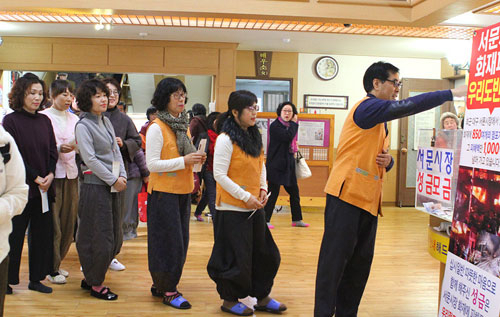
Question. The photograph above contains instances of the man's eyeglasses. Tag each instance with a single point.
(395, 82)
(180, 95)
(253, 108)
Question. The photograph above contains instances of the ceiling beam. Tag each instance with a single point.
(433, 12)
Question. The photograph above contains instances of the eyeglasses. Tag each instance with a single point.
(253, 108)
(179, 95)
(287, 111)
(395, 82)
(113, 92)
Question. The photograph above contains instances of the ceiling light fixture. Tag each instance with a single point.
(1, 41)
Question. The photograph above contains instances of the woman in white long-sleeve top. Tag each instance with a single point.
(244, 258)
(170, 156)
(13, 198)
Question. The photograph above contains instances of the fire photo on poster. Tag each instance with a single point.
(476, 221)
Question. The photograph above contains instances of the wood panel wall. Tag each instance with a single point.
(125, 56)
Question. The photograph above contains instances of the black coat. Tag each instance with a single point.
(280, 164)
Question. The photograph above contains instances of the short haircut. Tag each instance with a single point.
(165, 88)
(286, 103)
(379, 70)
(88, 89)
(20, 90)
(60, 86)
(150, 111)
(199, 110)
(112, 81)
(239, 100)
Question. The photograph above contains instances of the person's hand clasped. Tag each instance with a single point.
(263, 197)
(383, 159)
(254, 203)
(66, 148)
(119, 141)
(45, 182)
(194, 158)
(120, 184)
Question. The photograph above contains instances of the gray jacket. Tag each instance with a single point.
(95, 138)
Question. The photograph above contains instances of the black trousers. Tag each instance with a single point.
(208, 196)
(244, 258)
(99, 229)
(345, 258)
(293, 191)
(40, 242)
(4, 268)
(168, 238)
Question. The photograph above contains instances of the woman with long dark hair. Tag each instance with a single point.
(170, 156)
(244, 258)
(280, 163)
(34, 136)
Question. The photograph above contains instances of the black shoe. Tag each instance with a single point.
(39, 287)
(154, 292)
(9, 290)
(106, 296)
(86, 286)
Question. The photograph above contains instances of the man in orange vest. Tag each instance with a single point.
(354, 188)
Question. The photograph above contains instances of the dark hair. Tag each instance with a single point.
(211, 119)
(199, 110)
(286, 103)
(150, 111)
(219, 123)
(20, 90)
(379, 70)
(239, 100)
(114, 82)
(60, 86)
(165, 88)
(88, 89)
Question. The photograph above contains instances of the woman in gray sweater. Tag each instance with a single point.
(103, 176)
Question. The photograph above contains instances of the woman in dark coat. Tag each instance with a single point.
(280, 162)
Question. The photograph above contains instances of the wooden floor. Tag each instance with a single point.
(403, 281)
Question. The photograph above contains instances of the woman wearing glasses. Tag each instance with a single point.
(170, 156)
(244, 258)
(280, 163)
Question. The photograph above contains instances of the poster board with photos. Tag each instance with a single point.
(471, 284)
(315, 141)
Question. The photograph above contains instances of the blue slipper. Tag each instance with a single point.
(176, 301)
(271, 307)
(238, 309)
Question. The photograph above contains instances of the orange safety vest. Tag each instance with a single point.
(175, 182)
(245, 171)
(355, 177)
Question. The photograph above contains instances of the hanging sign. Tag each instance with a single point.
(263, 64)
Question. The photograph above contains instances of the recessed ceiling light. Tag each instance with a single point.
(143, 34)
(286, 40)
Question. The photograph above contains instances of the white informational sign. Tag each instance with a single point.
(434, 180)
(468, 290)
(262, 124)
(471, 280)
(311, 133)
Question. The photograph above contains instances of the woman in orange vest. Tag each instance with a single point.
(170, 156)
(244, 258)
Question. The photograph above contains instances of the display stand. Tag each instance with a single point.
(315, 141)
(437, 174)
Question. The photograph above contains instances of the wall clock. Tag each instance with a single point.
(326, 67)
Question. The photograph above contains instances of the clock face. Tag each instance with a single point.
(327, 68)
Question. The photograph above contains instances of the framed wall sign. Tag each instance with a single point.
(326, 101)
